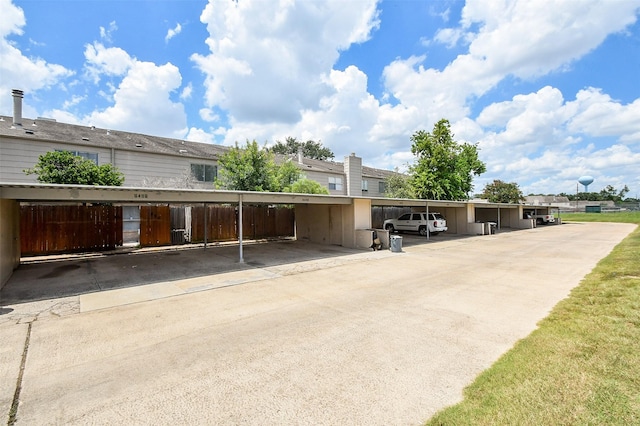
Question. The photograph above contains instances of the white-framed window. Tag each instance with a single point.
(365, 185)
(335, 183)
(204, 172)
(93, 156)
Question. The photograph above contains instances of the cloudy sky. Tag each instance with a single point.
(550, 90)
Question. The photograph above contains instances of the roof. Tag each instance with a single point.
(90, 136)
(48, 130)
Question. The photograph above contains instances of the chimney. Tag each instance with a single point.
(17, 106)
(300, 155)
(353, 172)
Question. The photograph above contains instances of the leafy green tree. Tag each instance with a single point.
(307, 186)
(287, 174)
(310, 149)
(254, 169)
(398, 185)
(64, 167)
(445, 168)
(247, 169)
(609, 193)
(502, 192)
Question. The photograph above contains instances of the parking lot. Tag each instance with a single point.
(297, 334)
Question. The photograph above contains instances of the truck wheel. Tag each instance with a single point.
(389, 228)
(539, 221)
(422, 231)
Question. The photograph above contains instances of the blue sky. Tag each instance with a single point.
(549, 90)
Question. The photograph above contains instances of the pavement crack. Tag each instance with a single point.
(13, 412)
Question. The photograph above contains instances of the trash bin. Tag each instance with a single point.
(492, 227)
(396, 244)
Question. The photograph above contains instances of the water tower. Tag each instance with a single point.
(586, 181)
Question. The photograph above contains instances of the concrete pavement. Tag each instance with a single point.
(339, 337)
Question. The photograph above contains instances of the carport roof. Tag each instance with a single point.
(407, 202)
(38, 192)
(130, 195)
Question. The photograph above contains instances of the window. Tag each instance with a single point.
(335, 184)
(204, 172)
(382, 187)
(365, 185)
(93, 156)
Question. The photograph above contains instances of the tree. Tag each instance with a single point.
(310, 149)
(254, 169)
(248, 169)
(307, 186)
(287, 174)
(64, 167)
(609, 193)
(502, 192)
(398, 186)
(445, 168)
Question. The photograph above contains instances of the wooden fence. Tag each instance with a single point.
(258, 222)
(50, 229)
(379, 214)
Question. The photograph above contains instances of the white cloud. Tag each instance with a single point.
(142, 102)
(207, 114)
(12, 19)
(199, 135)
(107, 33)
(537, 137)
(523, 38)
(18, 71)
(596, 114)
(111, 61)
(75, 100)
(173, 32)
(269, 60)
(187, 92)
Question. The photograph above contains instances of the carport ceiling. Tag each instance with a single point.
(130, 195)
(407, 202)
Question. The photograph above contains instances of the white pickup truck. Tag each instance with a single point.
(541, 219)
(417, 222)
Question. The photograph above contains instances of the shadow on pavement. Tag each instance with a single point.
(43, 279)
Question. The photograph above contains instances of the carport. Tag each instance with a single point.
(501, 214)
(456, 212)
(320, 219)
(323, 219)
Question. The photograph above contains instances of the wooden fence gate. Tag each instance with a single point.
(51, 229)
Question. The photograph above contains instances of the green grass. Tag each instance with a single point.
(582, 365)
(624, 217)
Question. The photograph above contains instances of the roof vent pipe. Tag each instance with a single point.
(300, 155)
(17, 106)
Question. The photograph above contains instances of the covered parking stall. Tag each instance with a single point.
(319, 219)
(455, 212)
(500, 215)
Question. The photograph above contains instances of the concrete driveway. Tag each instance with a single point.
(340, 337)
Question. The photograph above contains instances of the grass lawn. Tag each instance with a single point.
(582, 365)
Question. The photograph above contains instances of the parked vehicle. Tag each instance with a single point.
(417, 222)
(541, 219)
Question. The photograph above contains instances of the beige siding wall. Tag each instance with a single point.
(373, 185)
(323, 179)
(138, 167)
(17, 155)
(146, 169)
